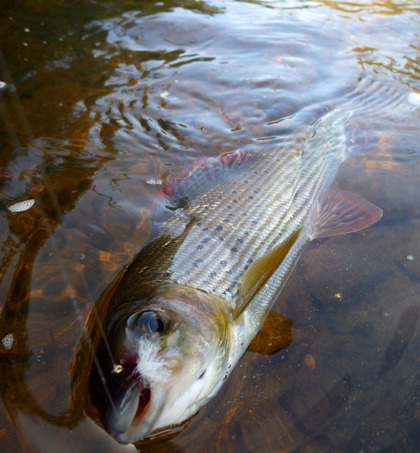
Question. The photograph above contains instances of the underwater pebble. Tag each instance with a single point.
(414, 98)
(21, 205)
(7, 341)
(309, 361)
(410, 257)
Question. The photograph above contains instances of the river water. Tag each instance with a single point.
(101, 102)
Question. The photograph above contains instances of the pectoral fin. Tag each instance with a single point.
(336, 212)
(260, 271)
(274, 335)
(342, 212)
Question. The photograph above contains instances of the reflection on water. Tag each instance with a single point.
(101, 103)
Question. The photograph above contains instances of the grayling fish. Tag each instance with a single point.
(231, 230)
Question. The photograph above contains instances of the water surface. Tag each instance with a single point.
(104, 101)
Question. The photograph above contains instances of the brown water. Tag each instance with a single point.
(104, 100)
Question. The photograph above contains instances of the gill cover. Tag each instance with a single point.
(159, 363)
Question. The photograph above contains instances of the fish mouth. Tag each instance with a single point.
(132, 417)
(142, 405)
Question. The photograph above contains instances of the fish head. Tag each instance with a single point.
(158, 363)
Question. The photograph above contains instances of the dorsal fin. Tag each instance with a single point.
(260, 271)
(196, 179)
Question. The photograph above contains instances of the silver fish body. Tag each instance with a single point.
(197, 294)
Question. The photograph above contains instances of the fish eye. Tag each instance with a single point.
(148, 322)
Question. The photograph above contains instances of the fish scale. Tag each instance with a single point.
(225, 240)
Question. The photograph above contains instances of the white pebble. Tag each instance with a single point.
(154, 182)
(414, 98)
(21, 206)
(2, 84)
(410, 257)
(7, 341)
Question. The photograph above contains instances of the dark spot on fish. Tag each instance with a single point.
(250, 197)
(255, 172)
(219, 197)
(205, 229)
(187, 272)
(205, 240)
(199, 247)
(212, 274)
(221, 238)
(229, 207)
(205, 282)
(234, 191)
(240, 240)
(265, 171)
(226, 220)
(199, 223)
(254, 222)
(245, 181)
(199, 260)
(219, 228)
(235, 201)
(246, 267)
(246, 233)
(223, 263)
(229, 272)
(250, 260)
(233, 249)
